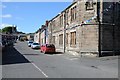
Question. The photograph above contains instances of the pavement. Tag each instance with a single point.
(21, 61)
(73, 53)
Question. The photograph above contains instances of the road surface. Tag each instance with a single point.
(21, 61)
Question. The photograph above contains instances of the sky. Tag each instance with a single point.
(29, 16)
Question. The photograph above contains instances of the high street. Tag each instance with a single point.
(20, 61)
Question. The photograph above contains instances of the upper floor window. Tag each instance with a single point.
(67, 16)
(73, 13)
(89, 5)
(53, 25)
(61, 20)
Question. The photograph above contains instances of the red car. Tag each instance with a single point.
(47, 48)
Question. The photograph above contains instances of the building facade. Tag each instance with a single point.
(30, 36)
(86, 27)
(37, 36)
(41, 35)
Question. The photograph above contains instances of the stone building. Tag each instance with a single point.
(110, 28)
(41, 35)
(44, 33)
(86, 27)
(37, 36)
(30, 36)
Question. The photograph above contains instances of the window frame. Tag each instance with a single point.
(73, 39)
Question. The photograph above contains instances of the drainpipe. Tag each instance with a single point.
(98, 17)
(113, 22)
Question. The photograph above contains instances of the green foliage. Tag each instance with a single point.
(7, 29)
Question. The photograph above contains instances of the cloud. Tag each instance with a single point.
(6, 16)
(4, 25)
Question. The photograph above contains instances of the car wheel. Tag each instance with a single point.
(44, 52)
(40, 51)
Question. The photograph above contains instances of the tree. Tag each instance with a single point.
(0, 30)
(8, 29)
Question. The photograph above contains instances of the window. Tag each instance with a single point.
(89, 5)
(50, 45)
(61, 20)
(73, 39)
(67, 15)
(35, 43)
(61, 39)
(53, 39)
(66, 38)
(73, 13)
(53, 25)
(30, 42)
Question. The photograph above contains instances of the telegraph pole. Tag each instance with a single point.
(64, 44)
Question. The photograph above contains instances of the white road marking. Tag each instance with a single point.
(49, 55)
(40, 70)
(71, 58)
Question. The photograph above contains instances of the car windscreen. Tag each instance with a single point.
(35, 43)
(50, 45)
(30, 42)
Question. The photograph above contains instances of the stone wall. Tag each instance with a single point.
(110, 40)
(87, 36)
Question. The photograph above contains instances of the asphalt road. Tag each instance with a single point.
(21, 61)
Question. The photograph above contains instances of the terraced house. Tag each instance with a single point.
(87, 27)
(41, 35)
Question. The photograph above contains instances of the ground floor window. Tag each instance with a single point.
(73, 39)
(67, 39)
(53, 39)
(61, 39)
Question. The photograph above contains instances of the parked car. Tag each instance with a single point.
(35, 45)
(30, 43)
(10, 43)
(2, 46)
(47, 48)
